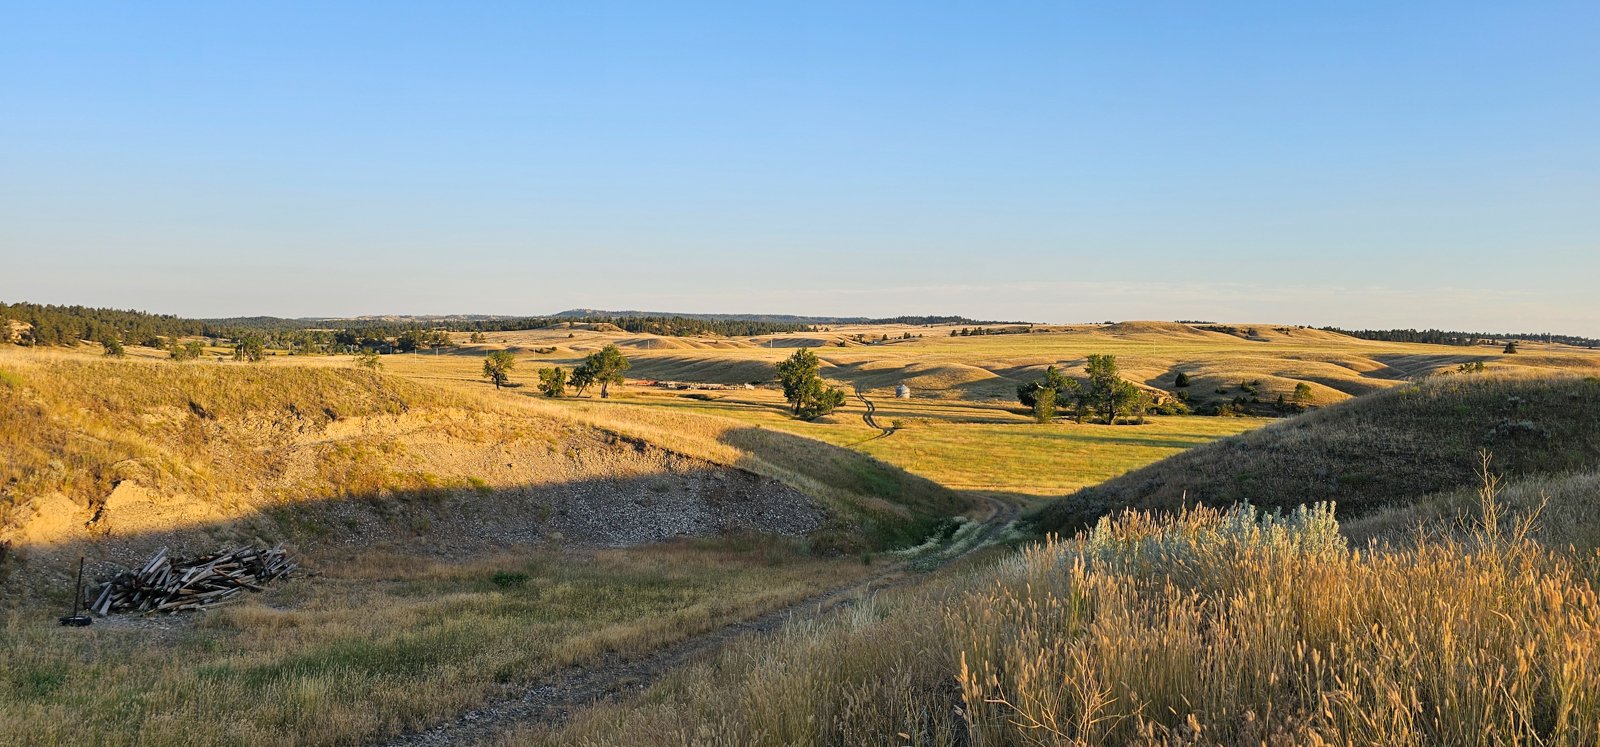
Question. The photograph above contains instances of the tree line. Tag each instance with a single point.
(1444, 337)
(46, 324)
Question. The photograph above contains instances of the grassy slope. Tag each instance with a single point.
(1370, 453)
(1566, 505)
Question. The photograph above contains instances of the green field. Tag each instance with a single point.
(967, 446)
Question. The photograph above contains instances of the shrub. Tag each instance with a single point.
(508, 579)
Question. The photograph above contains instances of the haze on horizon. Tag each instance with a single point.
(1372, 165)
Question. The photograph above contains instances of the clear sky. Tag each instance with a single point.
(1355, 163)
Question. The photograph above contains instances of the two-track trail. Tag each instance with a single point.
(553, 699)
(871, 419)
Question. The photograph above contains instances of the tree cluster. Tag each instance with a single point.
(1103, 394)
(977, 331)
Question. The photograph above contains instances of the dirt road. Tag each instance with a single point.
(554, 699)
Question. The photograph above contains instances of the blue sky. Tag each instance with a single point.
(1366, 164)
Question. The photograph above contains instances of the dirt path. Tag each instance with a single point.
(554, 699)
(870, 417)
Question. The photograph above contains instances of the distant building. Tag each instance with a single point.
(902, 392)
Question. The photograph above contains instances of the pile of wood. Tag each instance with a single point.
(168, 585)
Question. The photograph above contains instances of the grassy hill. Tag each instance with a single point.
(1367, 454)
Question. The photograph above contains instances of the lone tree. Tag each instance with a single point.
(808, 396)
(1107, 392)
(604, 367)
(113, 346)
(1181, 381)
(553, 381)
(1511, 347)
(1302, 392)
(369, 359)
(497, 367)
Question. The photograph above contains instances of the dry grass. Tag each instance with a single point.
(1370, 454)
(76, 427)
(1208, 627)
(378, 644)
(1565, 504)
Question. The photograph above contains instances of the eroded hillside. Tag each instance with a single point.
(126, 454)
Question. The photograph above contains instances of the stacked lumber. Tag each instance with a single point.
(168, 585)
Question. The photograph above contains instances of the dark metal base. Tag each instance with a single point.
(76, 621)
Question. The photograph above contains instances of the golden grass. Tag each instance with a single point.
(378, 644)
(1034, 461)
(1206, 628)
(76, 427)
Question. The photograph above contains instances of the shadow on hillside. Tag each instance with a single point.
(894, 506)
(1409, 366)
(455, 520)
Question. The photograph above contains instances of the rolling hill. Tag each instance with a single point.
(1368, 454)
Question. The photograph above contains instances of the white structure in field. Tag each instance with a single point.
(902, 392)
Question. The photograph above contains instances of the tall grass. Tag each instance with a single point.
(1209, 627)
(1232, 627)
